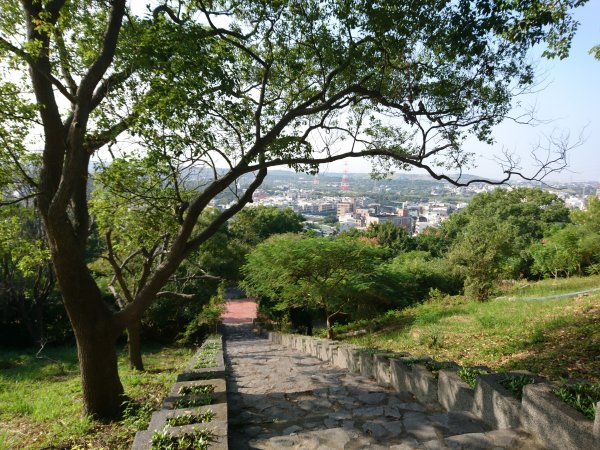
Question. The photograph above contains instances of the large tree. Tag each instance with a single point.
(332, 276)
(232, 88)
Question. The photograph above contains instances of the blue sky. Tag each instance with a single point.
(569, 104)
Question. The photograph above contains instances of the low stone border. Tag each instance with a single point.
(556, 424)
(159, 418)
(192, 376)
(143, 439)
(547, 418)
(219, 394)
(203, 373)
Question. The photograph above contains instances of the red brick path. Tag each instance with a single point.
(240, 311)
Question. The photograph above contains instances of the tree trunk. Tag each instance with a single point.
(102, 390)
(134, 344)
(96, 333)
(329, 325)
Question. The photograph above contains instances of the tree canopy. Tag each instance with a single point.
(336, 276)
(226, 89)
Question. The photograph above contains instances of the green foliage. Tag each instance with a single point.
(469, 375)
(41, 399)
(213, 311)
(515, 383)
(198, 439)
(391, 236)
(493, 234)
(574, 248)
(207, 354)
(194, 401)
(336, 276)
(196, 389)
(254, 225)
(136, 414)
(434, 367)
(421, 273)
(581, 396)
(190, 419)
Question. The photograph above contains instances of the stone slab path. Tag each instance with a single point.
(282, 399)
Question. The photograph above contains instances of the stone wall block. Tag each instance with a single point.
(367, 364)
(453, 393)
(555, 424)
(495, 405)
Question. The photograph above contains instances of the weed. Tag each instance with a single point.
(581, 396)
(196, 389)
(413, 361)
(469, 375)
(137, 414)
(515, 383)
(195, 440)
(189, 419)
(434, 367)
(194, 401)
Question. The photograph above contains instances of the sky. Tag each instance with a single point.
(569, 104)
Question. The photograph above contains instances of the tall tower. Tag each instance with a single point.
(316, 181)
(345, 185)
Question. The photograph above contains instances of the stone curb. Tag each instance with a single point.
(554, 423)
(143, 439)
(159, 418)
(189, 377)
(549, 420)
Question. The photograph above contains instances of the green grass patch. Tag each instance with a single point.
(195, 440)
(194, 401)
(189, 419)
(196, 389)
(469, 375)
(549, 287)
(581, 396)
(555, 338)
(41, 402)
(207, 356)
(515, 383)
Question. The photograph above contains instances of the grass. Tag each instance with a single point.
(194, 401)
(196, 440)
(41, 402)
(189, 419)
(469, 375)
(549, 287)
(555, 338)
(583, 397)
(515, 383)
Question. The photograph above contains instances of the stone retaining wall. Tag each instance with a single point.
(193, 375)
(552, 422)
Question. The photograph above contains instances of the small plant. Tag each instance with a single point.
(515, 383)
(194, 440)
(136, 414)
(581, 396)
(469, 375)
(196, 389)
(208, 355)
(192, 402)
(413, 361)
(189, 419)
(434, 367)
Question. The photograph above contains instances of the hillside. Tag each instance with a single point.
(555, 338)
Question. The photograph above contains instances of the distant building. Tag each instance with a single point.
(400, 221)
